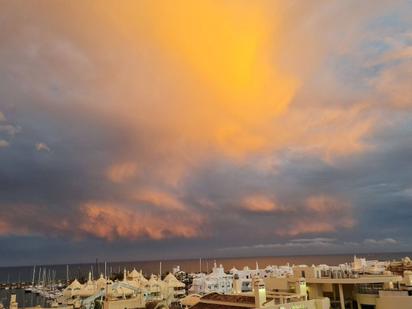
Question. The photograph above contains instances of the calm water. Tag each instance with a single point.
(25, 273)
(23, 299)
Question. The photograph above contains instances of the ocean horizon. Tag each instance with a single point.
(15, 274)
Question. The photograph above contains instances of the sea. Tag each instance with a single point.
(16, 274)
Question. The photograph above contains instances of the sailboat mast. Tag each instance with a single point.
(38, 281)
(34, 273)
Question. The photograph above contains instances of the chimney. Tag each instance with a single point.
(260, 292)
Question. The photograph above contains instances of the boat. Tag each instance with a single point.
(30, 288)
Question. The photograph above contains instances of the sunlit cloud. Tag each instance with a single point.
(112, 221)
(121, 172)
(157, 199)
(319, 214)
(4, 143)
(259, 203)
(175, 121)
(42, 147)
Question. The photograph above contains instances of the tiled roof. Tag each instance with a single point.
(201, 305)
(244, 299)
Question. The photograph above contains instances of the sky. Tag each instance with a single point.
(138, 130)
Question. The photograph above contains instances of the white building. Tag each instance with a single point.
(217, 281)
(236, 281)
(133, 289)
(353, 287)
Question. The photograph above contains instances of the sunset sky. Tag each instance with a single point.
(169, 129)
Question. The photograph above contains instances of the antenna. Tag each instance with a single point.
(160, 270)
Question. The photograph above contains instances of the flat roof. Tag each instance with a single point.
(201, 305)
(360, 280)
(229, 298)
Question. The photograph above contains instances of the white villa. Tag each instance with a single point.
(216, 281)
(132, 292)
(236, 281)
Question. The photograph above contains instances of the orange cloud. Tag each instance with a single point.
(4, 227)
(121, 172)
(259, 203)
(111, 221)
(194, 80)
(158, 199)
(204, 77)
(320, 214)
(213, 72)
(104, 220)
(314, 225)
(306, 227)
(394, 83)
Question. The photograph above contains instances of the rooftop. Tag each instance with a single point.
(244, 299)
(201, 305)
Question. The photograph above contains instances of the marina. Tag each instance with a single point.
(355, 284)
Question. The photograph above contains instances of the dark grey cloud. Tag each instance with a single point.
(97, 161)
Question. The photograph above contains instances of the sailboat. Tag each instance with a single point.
(31, 287)
(8, 282)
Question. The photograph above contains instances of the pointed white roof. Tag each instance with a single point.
(153, 280)
(171, 280)
(233, 270)
(75, 285)
(134, 273)
(143, 280)
(101, 279)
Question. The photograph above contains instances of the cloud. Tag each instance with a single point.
(105, 220)
(260, 203)
(394, 67)
(122, 172)
(319, 243)
(319, 214)
(293, 243)
(4, 143)
(302, 227)
(9, 129)
(323, 204)
(112, 221)
(380, 242)
(158, 199)
(174, 122)
(314, 240)
(42, 147)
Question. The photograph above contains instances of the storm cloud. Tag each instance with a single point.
(142, 130)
